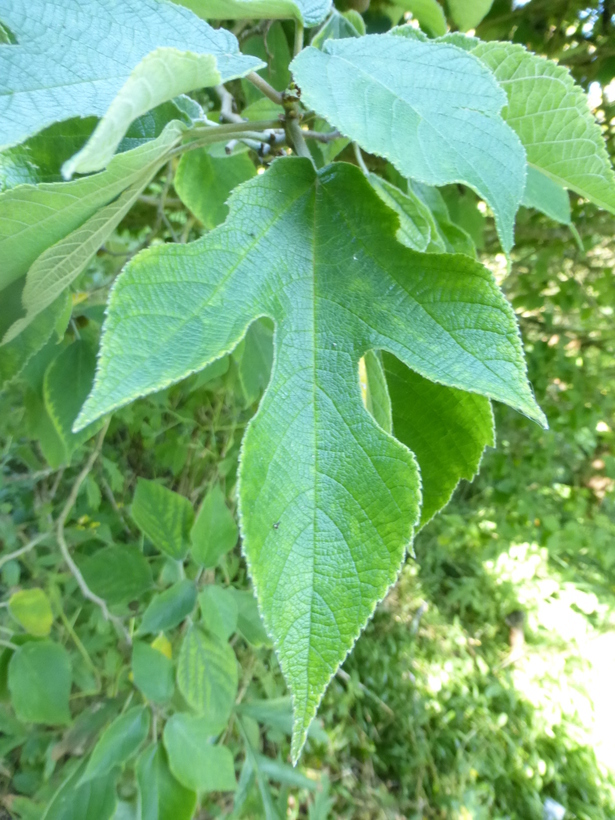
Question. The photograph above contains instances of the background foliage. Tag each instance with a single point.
(439, 712)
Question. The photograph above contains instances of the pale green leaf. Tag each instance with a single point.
(308, 12)
(415, 221)
(32, 609)
(469, 13)
(164, 517)
(551, 115)
(374, 389)
(94, 800)
(431, 109)
(118, 743)
(214, 532)
(168, 609)
(545, 195)
(204, 183)
(152, 672)
(67, 382)
(118, 573)
(58, 69)
(39, 682)
(327, 498)
(428, 13)
(161, 797)
(220, 611)
(207, 676)
(194, 760)
(337, 27)
(447, 430)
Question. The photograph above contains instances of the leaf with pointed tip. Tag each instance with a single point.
(327, 498)
(550, 114)
(447, 430)
(308, 12)
(430, 108)
(118, 743)
(164, 516)
(57, 70)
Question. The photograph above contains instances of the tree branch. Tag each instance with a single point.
(267, 90)
(60, 524)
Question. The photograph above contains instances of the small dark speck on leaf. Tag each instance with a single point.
(276, 525)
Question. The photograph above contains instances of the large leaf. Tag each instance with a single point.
(430, 108)
(51, 231)
(308, 12)
(164, 517)
(327, 498)
(447, 430)
(153, 51)
(550, 114)
(39, 683)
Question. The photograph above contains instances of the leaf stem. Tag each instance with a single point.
(298, 38)
(360, 160)
(267, 90)
(60, 524)
(296, 135)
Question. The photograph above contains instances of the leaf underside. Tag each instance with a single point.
(430, 108)
(328, 499)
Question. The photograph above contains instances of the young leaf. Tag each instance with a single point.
(32, 609)
(39, 683)
(307, 12)
(194, 760)
(153, 51)
(152, 672)
(169, 608)
(52, 231)
(446, 429)
(96, 799)
(164, 517)
(430, 108)
(214, 532)
(219, 610)
(327, 498)
(161, 797)
(207, 677)
(550, 114)
(204, 183)
(118, 743)
(67, 382)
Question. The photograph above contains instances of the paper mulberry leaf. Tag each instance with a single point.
(550, 114)
(153, 50)
(430, 108)
(327, 498)
(308, 12)
(447, 429)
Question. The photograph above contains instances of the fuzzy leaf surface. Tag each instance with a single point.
(430, 108)
(327, 498)
(153, 51)
(551, 115)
